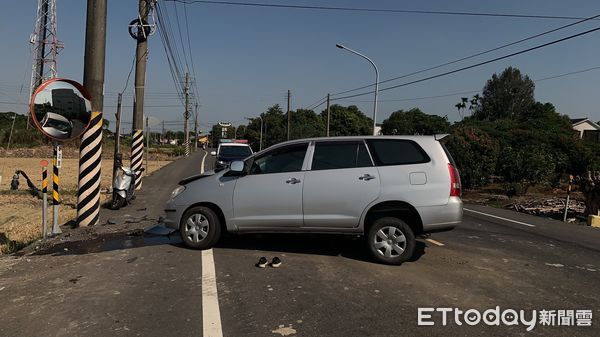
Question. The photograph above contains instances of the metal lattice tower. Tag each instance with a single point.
(45, 44)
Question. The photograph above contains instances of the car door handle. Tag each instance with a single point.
(292, 181)
(366, 177)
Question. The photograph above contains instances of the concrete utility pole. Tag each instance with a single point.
(141, 56)
(288, 113)
(328, 115)
(196, 128)
(117, 135)
(186, 114)
(90, 150)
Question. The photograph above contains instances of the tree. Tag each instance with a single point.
(509, 95)
(475, 152)
(347, 121)
(306, 124)
(414, 122)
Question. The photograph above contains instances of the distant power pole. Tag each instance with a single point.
(328, 115)
(196, 128)
(45, 45)
(186, 114)
(141, 55)
(288, 114)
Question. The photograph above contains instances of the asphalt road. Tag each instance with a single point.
(327, 285)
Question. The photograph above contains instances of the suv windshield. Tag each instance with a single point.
(238, 151)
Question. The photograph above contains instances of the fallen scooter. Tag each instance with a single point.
(123, 184)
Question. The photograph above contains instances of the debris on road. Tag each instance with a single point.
(284, 331)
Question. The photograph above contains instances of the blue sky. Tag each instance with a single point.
(246, 58)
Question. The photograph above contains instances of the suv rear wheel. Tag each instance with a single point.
(391, 240)
(200, 228)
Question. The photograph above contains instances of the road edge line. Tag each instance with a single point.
(211, 315)
(202, 164)
(501, 218)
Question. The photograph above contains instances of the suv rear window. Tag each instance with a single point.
(397, 152)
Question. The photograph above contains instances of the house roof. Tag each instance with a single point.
(579, 121)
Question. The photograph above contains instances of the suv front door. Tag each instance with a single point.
(270, 195)
(341, 183)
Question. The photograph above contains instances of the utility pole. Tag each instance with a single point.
(328, 115)
(148, 134)
(163, 132)
(288, 114)
(117, 154)
(196, 129)
(141, 55)
(90, 150)
(186, 114)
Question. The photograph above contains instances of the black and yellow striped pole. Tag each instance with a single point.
(56, 164)
(90, 160)
(137, 156)
(45, 198)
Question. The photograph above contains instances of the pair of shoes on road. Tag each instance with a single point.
(275, 263)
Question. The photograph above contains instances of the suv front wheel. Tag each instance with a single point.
(391, 240)
(200, 228)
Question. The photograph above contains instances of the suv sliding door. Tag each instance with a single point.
(341, 183)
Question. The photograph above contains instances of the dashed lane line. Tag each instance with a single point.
(211, 316)
(501, 218)
(437, 243)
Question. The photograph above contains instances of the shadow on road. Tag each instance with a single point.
(329, 245)
(111, 242)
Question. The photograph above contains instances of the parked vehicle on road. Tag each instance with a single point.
(389, 189)
(230, 151)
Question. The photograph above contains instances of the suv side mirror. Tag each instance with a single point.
(213, 153)
(236, 166)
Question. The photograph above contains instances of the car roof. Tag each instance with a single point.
(233, 144)
(56, 116)
(416, 138)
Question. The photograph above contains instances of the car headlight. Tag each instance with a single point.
(177, 191)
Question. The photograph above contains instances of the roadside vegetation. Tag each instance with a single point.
(504, 138)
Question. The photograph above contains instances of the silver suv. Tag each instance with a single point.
(387, 188)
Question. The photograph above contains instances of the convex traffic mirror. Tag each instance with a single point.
(61, 109)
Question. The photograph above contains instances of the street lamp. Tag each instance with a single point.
(376, 82)
(261, 129)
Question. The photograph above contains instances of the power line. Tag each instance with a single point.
(476, 65)
(472, 56)
(473, 91)
(379, 10)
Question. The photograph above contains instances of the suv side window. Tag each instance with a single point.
(397, 152)
(340, 155)
(284, 159)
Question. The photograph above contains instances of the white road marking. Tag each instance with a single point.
(202, 164)
(437, 243)
(501, 218)
(211, 316)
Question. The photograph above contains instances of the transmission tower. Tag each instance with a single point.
(45, 44)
